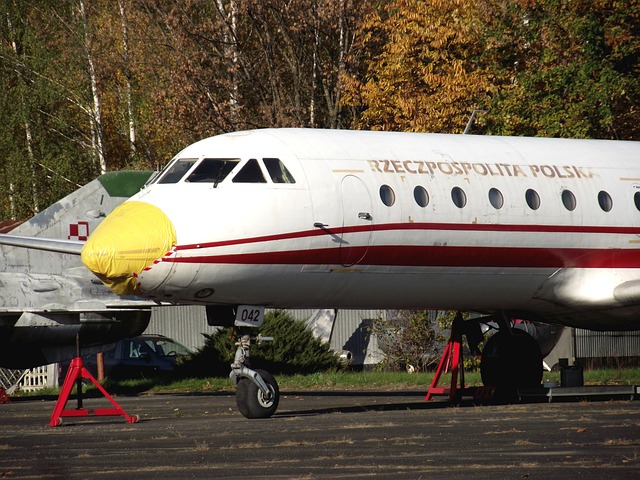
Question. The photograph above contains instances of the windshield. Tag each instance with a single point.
(277, 171)
(250, 173)
(177, 170)
(212, 170)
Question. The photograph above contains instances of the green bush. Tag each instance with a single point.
(211, 360)
(294, 350)
(408, 340)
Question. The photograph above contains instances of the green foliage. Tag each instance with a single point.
(415, 340)
(211, 360)
(293, 351)
(421, 67)
(408, 339)
(539, 67)
(566, 69)
(45, 131)
(76, 85)
(193, 69)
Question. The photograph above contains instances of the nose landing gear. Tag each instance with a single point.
(257, 393)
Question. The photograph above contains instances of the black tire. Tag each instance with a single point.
(511, 361)
(250, 399)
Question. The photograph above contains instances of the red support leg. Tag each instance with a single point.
(76, 372)
(451, 360)
(4, 396)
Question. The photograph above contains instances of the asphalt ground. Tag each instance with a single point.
(390, 435)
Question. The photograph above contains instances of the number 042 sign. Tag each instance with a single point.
(249, 316)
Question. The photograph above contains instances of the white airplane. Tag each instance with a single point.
(530, 228)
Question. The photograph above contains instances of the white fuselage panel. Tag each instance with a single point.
(398, 220)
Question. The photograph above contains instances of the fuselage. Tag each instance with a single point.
(545, 229)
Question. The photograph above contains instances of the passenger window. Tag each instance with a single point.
(569, 200)
(533, 199)
(387, 195)
(636, 200)
(277, 171)
(250, 173)
(177, 170)
(459, 197)
(496, 199)
(421, 196)
(212, 170)
(605, 201)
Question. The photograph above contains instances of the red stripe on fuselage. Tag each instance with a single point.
(426, 227)
(434, 256)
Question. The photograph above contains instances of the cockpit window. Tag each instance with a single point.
(212, 170)
(177, 170)
(277, 171)
(250, 173)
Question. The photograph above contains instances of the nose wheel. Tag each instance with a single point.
(257, 392)
(252, 402)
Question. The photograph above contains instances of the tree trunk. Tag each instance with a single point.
(96, 117)
(128, 89)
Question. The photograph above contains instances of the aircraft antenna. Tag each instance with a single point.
(472, 119)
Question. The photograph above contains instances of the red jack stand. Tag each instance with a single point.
(76, 373)
(452, 360)
(4, 396)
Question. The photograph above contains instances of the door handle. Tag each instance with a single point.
(365, 216)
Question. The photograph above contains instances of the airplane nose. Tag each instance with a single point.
(130, 239)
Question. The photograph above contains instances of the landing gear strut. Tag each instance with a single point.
(511, 359)
(257, 393)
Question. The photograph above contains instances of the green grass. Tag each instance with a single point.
(336, 381)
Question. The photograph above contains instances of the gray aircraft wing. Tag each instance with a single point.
(72, 247)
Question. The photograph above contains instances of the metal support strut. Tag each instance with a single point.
(239, 367)
(76, 373)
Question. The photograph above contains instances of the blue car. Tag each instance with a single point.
(145, 356)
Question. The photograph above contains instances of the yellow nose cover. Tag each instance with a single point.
(130, 239)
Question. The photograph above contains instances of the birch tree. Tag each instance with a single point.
(96, 110)
(21, 85)
(128, 79)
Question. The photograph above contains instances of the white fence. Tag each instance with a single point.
(29, 380)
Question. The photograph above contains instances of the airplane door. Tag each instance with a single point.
(357, 220)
